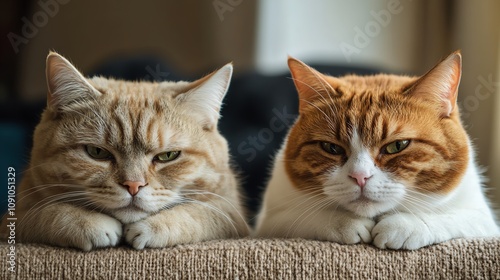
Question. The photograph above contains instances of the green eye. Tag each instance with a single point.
(167, 156)
(97, 153)
(332, 148)
(396, 147)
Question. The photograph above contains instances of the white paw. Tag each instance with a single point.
(350, 231)
(401, 231)
(98, 231)
(143, 234)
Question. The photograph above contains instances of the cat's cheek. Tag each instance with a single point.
(401, 231)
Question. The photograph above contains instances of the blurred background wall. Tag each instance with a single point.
(195, 37)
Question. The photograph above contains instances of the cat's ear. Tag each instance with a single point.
(439, 86)
(65, 83)
(204, 98)
(310, 83)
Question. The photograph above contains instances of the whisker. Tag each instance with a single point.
(52, 200)
(216, 210)
(204, 192)
(315, 208)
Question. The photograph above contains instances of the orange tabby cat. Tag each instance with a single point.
(378, 159)
(134, 160)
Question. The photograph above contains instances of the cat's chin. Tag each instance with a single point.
(129, 215)
(366, 207)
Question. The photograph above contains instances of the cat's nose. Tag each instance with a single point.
(360, 178)
(133, 187)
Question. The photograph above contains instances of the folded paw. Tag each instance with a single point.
(401, 231)
(96, 231)
(147, 233)
(350, 230)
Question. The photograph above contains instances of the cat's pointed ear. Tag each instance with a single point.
(439, 86)
(310, 83)
(65, 83)
(204, 98)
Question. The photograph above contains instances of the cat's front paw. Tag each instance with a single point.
(146, 233)
(401, 231)
(351, 231)
(99, 231)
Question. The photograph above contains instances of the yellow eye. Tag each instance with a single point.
(332, 148)
(167, 156)
(98, 153)
(395, 147)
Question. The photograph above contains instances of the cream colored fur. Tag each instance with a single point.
(69, 198)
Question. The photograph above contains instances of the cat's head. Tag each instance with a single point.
(375, 143)
(128, 148)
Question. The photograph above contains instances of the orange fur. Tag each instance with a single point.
(382, 109)
(378, 159)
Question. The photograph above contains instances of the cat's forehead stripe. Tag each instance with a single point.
(140, 125)
(375, 116)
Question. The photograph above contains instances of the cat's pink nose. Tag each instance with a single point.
(133, 187)
(360, 178)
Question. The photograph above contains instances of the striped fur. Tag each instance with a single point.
(69, 199)
(365, 193)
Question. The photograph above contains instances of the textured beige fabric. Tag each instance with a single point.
(260, 259)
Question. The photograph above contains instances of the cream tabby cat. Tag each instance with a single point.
(378, 159)
(138, 161)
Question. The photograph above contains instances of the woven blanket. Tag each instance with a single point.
(257, 259)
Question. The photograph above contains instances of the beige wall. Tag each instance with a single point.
(476, 32)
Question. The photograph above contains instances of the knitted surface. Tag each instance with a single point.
(259, 259)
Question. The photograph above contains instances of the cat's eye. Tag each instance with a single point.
(331, 148)
(167, 156)
(395, 147)
(98, 153)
